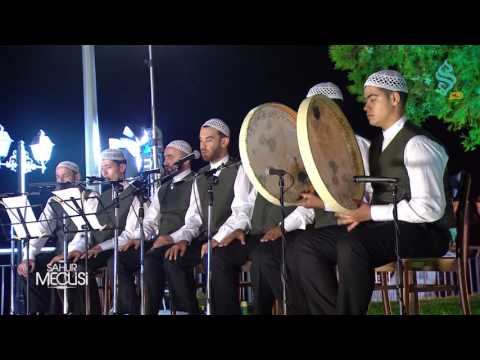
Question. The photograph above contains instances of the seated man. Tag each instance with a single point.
(366, 239)
(165, 215)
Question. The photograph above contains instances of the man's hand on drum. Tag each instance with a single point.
(354, 217)
(272, 234)
(311, 201)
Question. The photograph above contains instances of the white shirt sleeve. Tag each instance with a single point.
(193, 218)
(425, 161)
(151, 220)
(299, 219)
(364, 146)
(241, 207)
(131, 227)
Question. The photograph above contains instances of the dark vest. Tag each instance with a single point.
(223, 195)
(324, 218)
(106, 214)
(174, 204)
(390, 163)
(266, 215)
(58, 232)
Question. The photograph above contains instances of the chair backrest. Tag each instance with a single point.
(463, 217)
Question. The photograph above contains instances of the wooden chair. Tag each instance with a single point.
(456, 264)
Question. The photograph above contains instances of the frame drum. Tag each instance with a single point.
(268, 138)
(330, 153)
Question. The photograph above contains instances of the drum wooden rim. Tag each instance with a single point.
(308, 160)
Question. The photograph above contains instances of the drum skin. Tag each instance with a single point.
(268, 138)
(330, 153)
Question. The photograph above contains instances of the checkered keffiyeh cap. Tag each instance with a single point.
(180, 145)
(327, 89)
(219, 125)
(387, 79)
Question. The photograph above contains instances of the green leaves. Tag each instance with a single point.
(419, 65)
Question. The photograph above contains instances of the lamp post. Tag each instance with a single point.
(21, 162)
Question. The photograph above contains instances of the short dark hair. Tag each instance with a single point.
(222, 135)
(119, 162)
(403, 96)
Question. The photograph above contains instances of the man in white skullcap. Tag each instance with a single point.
(365, 238)
(229, 218)
(42, 300)
(266, 258)
(100, 253)
(165, 215)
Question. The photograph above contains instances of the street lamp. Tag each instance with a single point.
(21, 162)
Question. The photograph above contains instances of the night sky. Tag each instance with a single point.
(42, 87)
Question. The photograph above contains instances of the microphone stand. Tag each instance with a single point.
(65, 261)
(398, 267)
(141, 215)
(211, 180)
(115, 194)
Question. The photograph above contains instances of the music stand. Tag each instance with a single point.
(25, 225)
(72, 203)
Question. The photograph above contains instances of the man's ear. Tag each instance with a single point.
(395, 98)
(225, 141)
(123, 168)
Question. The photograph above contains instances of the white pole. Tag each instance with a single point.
(92, 131)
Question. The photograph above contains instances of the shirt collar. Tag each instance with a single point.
(224, 160)
(392, 131)
(181, 176)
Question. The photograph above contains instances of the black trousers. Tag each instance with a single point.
(105, 258)
(43, 300)
(226, 265)
(266, 275)
(177, 273)
(128, 266)
(356, 254)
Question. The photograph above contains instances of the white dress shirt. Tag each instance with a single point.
(153, 213)
(297, 219)
(425, 161)
(47, 223)
(131, 226)
(239, 219)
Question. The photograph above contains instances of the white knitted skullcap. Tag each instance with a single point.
(181, 146)
(113, 154)
(219, 125)
(327, 89)
(69, 165)
(387, 79)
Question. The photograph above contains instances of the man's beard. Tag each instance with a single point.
(65, 185)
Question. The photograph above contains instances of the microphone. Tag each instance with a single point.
(192, 156)
(95, 178)
(374, 179)
(153, 171)
(272, 171)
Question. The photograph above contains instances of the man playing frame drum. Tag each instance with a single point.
(366, 238)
